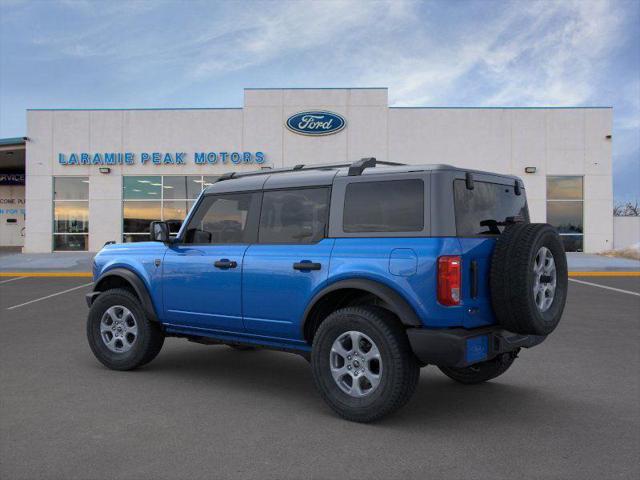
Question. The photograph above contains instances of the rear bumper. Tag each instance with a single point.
(458, 347)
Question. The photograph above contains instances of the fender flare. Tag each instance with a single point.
(138, 286)
(397, 304)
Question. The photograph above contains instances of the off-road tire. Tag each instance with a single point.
(400, 372)
(512, 279)
(149, 339)
(481, 372)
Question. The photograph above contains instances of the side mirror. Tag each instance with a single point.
(159, 232)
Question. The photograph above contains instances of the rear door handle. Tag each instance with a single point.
(225, 263)
(307, 265)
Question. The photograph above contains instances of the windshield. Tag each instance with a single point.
(485, 209)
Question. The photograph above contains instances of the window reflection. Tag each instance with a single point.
(71, 188)
(174, 212)
(71, 217)
(565, 216)
(70, 213)
(69, 242)
(138, 215)
(154, 197)
(564, 188)
(142, 187)
(572, 243)
(565, 209)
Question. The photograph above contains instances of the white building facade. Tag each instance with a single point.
(94, 176)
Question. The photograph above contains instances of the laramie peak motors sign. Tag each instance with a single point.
(315, 123)
(161, 158)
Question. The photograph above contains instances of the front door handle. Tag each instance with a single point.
(225, 263)
(307, 265)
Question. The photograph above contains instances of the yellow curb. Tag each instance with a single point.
(604, 274)
(46, 274)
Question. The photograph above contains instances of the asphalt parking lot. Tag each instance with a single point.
(566, 409)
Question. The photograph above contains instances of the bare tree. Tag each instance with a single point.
(626, 209)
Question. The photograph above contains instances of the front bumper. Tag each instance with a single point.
(90, 297)
(459, 347)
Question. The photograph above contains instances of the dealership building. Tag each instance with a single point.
(80, 178)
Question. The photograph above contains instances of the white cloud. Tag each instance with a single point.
(540, 53)
(290, 27)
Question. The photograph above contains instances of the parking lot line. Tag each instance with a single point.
(11, 280)
(49, 296)
(605, 286)
(46, 274)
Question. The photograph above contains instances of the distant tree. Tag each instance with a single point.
(626, 209)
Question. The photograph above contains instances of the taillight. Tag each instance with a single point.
(449, 280)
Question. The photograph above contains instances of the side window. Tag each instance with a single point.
(227, 218)
(385, 206)
(294, 216)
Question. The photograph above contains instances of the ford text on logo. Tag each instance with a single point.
(316, 123)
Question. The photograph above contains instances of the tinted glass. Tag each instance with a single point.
(294, 216)
(564, 188)
(481, 211)
(225, 219)
(69, 242)
(141, 188)
(565, 216)
(138, 215)
(71, 188)
(71, 217)
(390, 206)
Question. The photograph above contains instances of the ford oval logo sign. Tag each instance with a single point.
(316, 123)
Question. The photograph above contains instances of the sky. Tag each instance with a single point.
(138, 53)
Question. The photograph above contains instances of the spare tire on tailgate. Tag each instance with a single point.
(528, 278)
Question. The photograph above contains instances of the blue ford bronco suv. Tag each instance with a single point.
(369, 273)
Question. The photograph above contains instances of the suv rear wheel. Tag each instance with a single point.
(119, 332)
(362, 363)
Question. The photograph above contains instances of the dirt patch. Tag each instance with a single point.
(632, 253)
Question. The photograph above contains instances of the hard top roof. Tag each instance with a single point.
(318, 175)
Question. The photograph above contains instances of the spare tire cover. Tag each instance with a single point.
(528, 278)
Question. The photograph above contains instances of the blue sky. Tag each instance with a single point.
(110, 54)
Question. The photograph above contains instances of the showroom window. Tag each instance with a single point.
(154, 197)
(565, 210)
(70, 213)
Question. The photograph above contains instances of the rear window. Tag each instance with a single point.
(483, 210)
(387, 206)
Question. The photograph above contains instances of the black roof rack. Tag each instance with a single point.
(355, 168)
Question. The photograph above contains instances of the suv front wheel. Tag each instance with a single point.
(119, 332)
(362, 363)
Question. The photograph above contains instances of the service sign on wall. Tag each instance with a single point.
(161, 158)
(11, 178)
(316, 123)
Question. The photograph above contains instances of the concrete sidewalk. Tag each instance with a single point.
(80, 262)
(586, 262)
(46, 262)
